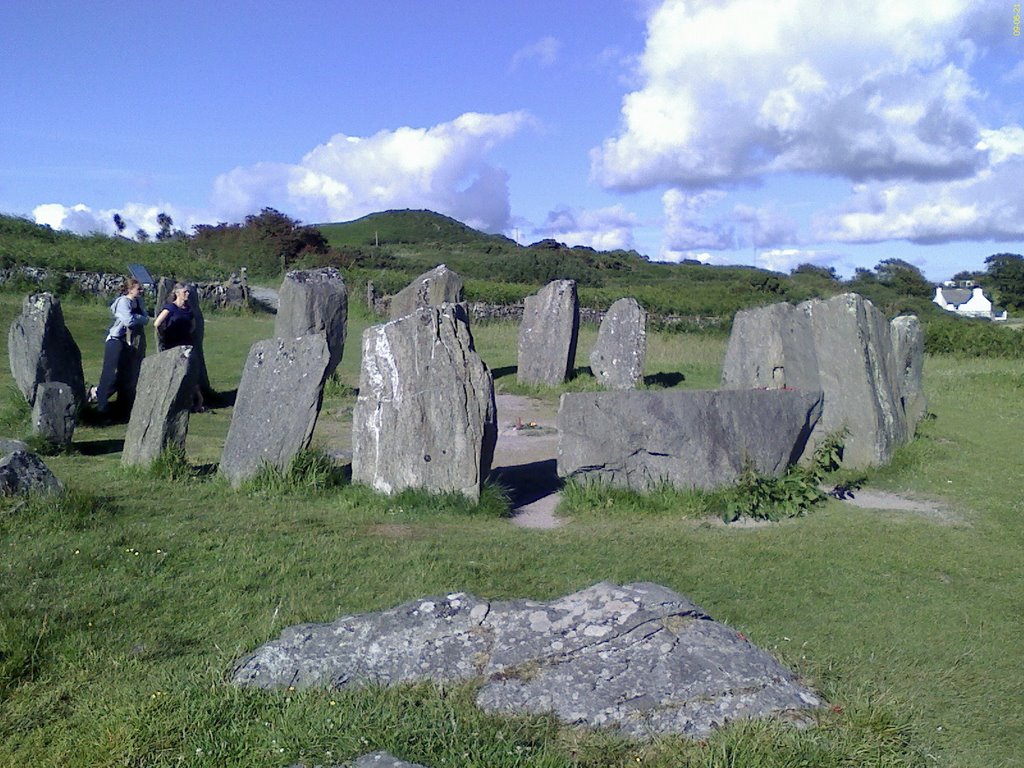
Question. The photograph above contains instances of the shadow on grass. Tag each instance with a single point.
(580, 372)
(506, 370)
(664, 379)
(99, 447)
(220, 399)
(526, 483)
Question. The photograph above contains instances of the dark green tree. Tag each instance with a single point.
(119, 223)
(142, 235)
(1006, 276)
(827, 273)
(165, 223)
(903, 277)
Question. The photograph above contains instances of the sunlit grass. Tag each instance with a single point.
(125, 604)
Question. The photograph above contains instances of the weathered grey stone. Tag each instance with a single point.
(55, 413)
(771, 348)
(276, 406)
(842, 346)
(314, 301)
(617, 360)
(383, 760)
(548, 334)
(686, 439)
(41, 348)
(10, 445)
(908, 349)
(372, 760)
(160, 414)
(639, 657)
(856, 363)
(128, 372)
(425, 416)
(164, 289)
(438, 286)
(24, 472)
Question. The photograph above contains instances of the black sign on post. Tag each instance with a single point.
(141, 274)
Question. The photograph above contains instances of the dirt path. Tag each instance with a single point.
(524, 459)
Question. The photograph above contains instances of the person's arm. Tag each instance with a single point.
(160, 319)
(140, 317)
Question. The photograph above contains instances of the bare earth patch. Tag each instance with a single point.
(933, 509)
(524, 459)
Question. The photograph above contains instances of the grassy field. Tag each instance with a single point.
(124, 607)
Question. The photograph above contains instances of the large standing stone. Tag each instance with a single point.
(842, 346)
(431, 289)
(771, 348)
(908, 346)
(41, 348)
(617, 360)
(314, 301)
(160, 414)
(164, 291)
(425, 416)
(548, 334)
(856, 363)
(277, 405)
(687, 439)
(24, 472)
(638, 657)
(55, 413)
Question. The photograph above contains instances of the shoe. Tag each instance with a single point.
(91, 395)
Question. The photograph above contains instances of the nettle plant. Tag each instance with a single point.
(792, 494)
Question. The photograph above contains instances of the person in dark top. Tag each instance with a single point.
(175, 326)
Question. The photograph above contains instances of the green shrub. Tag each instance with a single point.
(792, 494)
(965, 337)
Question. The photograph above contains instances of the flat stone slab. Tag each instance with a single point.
(687, 439)
(638, 657)
(371, 760)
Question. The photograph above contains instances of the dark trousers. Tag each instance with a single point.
(114, 359)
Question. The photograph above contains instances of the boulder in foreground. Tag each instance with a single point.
(638, 657)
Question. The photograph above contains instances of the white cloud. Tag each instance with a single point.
(691, 224)
(443, 168)
(986, 207)
(79, 218)
(685, 230)
(544, 52)
(83, 220)
(604, 229)
(735, 89)
(785, 259)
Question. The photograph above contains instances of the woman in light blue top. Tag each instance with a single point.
(129, 315)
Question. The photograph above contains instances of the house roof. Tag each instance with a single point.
(956, 296)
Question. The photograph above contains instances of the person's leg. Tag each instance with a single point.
(111, 357)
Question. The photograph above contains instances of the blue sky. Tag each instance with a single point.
(739, 131)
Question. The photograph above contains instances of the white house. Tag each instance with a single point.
(970, 302)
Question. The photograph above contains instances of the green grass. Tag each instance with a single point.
(125, 604)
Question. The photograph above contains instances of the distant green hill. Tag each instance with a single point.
(407, 227)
